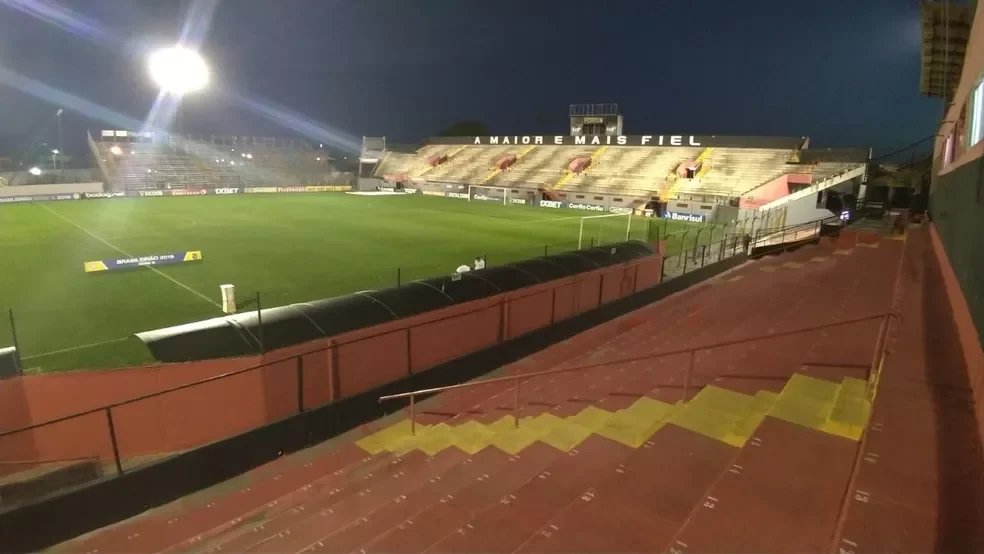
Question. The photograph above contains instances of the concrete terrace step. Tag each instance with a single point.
(638, 505)
(301, 527)
(424, 529)
(778, 495)
(508, 524)
(169, 526)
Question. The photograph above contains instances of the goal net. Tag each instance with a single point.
(596, 230)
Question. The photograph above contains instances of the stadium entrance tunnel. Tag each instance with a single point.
(249, 333)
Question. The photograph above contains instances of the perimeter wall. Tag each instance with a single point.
(289, 380)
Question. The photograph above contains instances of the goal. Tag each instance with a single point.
(596, 230)
(500, 195)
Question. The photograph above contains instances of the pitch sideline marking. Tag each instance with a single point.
(74, 348)
(128, 255)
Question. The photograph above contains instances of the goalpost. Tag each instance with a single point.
(600, 226)
(488, 193)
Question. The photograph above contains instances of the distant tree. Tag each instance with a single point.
(466, 129)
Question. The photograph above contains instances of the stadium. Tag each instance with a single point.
(590, 341)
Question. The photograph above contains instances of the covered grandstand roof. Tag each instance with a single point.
(283, 326)
(945, 32)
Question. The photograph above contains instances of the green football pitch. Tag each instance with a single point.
(287, 248)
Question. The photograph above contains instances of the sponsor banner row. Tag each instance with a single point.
(173, 192)
(561, 204)
(404, 190)
(38, 198)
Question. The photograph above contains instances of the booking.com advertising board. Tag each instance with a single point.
(551, 204)
(175, 192)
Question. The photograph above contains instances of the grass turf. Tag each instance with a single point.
(290, 248)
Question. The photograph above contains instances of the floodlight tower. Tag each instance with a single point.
(178, 71)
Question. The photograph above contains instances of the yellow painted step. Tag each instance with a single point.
(634, 425)
(472, 436)
(806, 401)
(559, 433)
(745, 427)
(452, 154)
(385, 439)
(851, 410)
(430, 440)
(705, 167)
(715, 413)
(564, 180)
(496, 171)
(509, 438)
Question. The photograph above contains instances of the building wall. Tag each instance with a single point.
(957, 191)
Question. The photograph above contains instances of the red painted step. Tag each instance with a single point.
(349, 538)
(652, 492)
(783, 493)
(280, 518)
(321, 518)
(427, 528)
(508, 524)
(173, 524)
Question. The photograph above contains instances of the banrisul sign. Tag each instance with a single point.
(655, 141)
(692, 218)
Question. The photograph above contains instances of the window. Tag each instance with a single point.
(976, 122)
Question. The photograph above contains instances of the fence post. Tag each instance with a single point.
(259, 320)
(413, 417)
(516, 404)
(300, 384)
(662, 269)
(399, 278)
(546, 248)
(553, 304)
(684, 255)
(113, 442)
(13, 336)
(703, 254)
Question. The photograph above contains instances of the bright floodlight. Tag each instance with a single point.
(34, 171)
(178, 70)
(116, 151)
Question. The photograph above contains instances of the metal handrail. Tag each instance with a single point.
(518, 379)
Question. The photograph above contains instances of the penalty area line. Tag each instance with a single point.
(128, 255)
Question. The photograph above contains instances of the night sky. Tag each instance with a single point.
(844, 72)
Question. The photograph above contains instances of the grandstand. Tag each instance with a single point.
(767, 418)
(135, 161)
(620, 167)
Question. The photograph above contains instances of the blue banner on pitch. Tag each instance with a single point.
(157, 259)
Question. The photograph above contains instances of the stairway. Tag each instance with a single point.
(496, 171)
